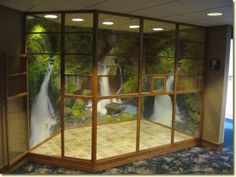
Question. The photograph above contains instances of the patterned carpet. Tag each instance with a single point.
(196, 160)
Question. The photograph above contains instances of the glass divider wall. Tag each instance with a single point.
(128, 84)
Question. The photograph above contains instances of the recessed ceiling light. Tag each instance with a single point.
(134, 26)
(107, 23)
(214, 14)
(157, 29)
(77, 19)
(50, 16)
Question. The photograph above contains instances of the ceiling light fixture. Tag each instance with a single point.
(51, 16)
(157, 29)
(107, 23)
(214, 14)
(77, 19)
(134, 26)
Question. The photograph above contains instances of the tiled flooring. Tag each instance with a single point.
(112, 140)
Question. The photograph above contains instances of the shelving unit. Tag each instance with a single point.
(16, 95)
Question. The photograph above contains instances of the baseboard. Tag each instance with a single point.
(211, 144)
(17, 163)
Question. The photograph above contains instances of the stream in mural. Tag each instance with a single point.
(43, 115)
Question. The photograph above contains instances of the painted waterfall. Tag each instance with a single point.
(44, 113)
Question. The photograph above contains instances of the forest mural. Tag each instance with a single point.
(118, 67)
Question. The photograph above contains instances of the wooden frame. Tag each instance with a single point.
(95, 164)
(161, 90)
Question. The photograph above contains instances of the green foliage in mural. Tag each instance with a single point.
(189, 107)
(38, 64)
(159, 52)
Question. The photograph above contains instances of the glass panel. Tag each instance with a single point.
(192, 33)
(16, 65)
(191, 50)
(78, 128)
(118, 35)
(78, 64)
(44, 102)
(156, 122)
(81, 43)
(43, 43)
(159, 38)
(78, 74)
(158, 61)
(116, 130)
(17, 127)
(78, 85)
(20, 81)
(122, 43)
(36, 22)
(79, 22)
(190, 74)
(115, 85)
(187, 122)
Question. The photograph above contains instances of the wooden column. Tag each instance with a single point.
(94, 88)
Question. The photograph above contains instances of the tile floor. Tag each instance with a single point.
(112, 140)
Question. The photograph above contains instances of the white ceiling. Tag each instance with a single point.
(186, 11)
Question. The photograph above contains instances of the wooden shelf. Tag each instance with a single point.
(17, 96)
(17, 74)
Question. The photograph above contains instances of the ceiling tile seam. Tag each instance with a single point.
(92, 5)
(191, 12)
(153, 5)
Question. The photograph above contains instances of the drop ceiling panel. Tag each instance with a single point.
(49, 5)
(184, 7)
(201, 18)
(187, 11)
(128, 6)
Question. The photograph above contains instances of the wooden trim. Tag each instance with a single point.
(16, 164)
(77, 96)
(102, 164)
(175, 84)
(161, 91)
(118, 96)
(62, 84)
(6, 109)
(139, 106)
(154, 94)
(202, 110)
(64, 162)
(211, 144)
(17, 96)
(17, 74)
(27, 104)
(94, 88)
(189, 91)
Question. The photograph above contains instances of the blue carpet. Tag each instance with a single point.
(229, 132)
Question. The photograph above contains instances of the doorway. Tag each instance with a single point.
(228, 124)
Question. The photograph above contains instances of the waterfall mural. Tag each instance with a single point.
(112, 106)
(162, 106)
(43, 115)
(44, 97)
